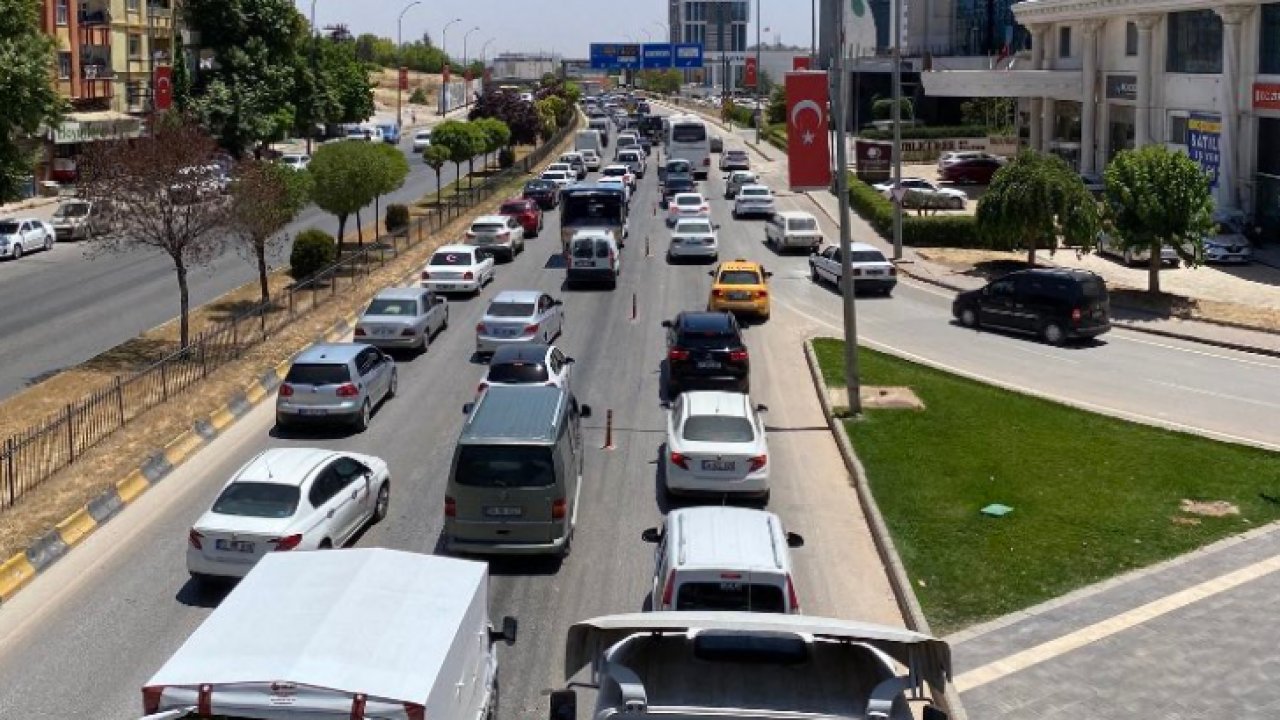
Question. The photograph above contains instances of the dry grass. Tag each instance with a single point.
(386, 80)
(96, 470)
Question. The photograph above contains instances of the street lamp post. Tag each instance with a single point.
(444, 50)
(759, 72)
(400, 56)
(466, 67)
(315, 40)
(672, 42)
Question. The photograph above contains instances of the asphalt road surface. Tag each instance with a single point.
(67, 305)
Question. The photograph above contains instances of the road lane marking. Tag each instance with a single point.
(1103, 629)
(1193, 351)
(1211, 393)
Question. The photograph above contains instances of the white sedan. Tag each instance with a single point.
(621, 171)
(528, 365)
(687, 205)
(287, 499)
(716, 445)
(753, 200)
(561, 178)
(925, 192)
(421, 140)
(694, 237)
(618, 183)
(24, 235)
(458, 268)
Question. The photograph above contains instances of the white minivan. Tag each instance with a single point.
(723, 558)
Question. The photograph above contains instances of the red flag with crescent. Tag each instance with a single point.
(162, 84)
(808, 153)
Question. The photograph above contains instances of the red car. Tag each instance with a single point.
(970, 170)
(526, 211)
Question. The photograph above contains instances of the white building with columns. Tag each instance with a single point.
(1108, 75)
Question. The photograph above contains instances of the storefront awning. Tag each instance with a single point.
(94, 126)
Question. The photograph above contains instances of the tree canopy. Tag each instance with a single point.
(26, 84)
(1036, 201)
(519, 115)
(463, 140)
(265, 198)
(346, 176)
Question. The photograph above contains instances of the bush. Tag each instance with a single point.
(926, 133)
(882, 109)
(419, 97)
(313, 251)
(776, 135)
(506, 158)
(956, 231)
(397, 217)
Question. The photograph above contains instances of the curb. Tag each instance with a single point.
(897, 573)
(24, 566)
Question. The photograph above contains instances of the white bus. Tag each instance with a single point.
(689, 139)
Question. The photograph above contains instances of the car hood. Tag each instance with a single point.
(1227, 241)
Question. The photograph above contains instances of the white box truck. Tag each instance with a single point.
(750, 666)
(360, 634)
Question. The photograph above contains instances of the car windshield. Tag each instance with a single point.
(614, 171)
(866, 256)
(739, 277)
(72, 210)
(718, 428)
(317, 374)
(689, 200)
(510, 309)
(451, 258)
(8, 228)
(693, 227)
(392, 307)
(504, 466)
(517, 373)
(678, 166)
(258, 499)
(513, 208)
(802, 224)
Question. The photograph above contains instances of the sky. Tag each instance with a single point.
(562, 26)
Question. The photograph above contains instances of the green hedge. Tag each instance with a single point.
(776, 135)
(957, 231)
(928, 133)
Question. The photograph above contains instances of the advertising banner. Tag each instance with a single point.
(751, 78)
(1266, 96)
(800, 62)
(163, 84)
(873, 159)
(808, 154)
(859, 27)
(1203, 134)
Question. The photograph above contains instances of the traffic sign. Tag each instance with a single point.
(615, 56)
(688, 55)
(898, 193)
(657, 56)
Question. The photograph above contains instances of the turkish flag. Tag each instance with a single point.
(751, 79)
(800, 62)
(808, 156)
(162, 88)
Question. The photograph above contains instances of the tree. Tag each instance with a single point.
(181, 76)
(435, 156)
(882, 108)
(460, 139)
(1037, 198)
(342, 175)
(519, 115)
(661, 81)
(1157, 197)
(777, 111)
(163, 195)
(496, 135)
(264, 199)
(30, 98)
(391, 170)
(994, 113)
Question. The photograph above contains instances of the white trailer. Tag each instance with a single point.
(370, 634)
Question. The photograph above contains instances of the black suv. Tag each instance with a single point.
(1055, 304)
(706, 349)
(676, 184)
(543, 192)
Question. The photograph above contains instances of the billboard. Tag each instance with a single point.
(616, 56)
(1204, 131)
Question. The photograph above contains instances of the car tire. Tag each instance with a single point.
(394, 386)
(813, 274)
(48, 242)
(383, 502)
(957, 204)
(17, 252)
(969, 317)
(1053, 333)
(362, 417)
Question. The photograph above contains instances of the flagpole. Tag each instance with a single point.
(839, 104)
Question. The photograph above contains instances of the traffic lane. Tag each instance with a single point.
(91, 301)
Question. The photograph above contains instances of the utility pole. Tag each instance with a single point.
(466, 68)
(759, 71)
(897, 129)
(400, 57)
(852, 381)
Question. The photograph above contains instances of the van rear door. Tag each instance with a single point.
(507, 494)
(731, 590)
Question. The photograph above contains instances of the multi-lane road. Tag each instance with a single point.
(82, 638)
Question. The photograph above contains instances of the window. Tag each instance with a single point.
(1177, 129)
(326, 485)
(1269, 56)
(61, 12)
(135, 45)
(505, 466)
(257, 499)
(134, 5)
(1195, 42)
(1130, 39)
(1064, 42)
(133, 93)
(64, 65)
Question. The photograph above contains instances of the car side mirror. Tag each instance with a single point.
(712, 273)
(441, 301)
(651, 535)
(813, 249)
(569, 361)
(507, 633)
(468, 407)
(794, 540)
(564, 705)
(768, 273)
(666, 323)
(762, 408)
(715, 226)
(584, 411)
(557, 302)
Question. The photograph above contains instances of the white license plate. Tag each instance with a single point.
(446, 286)
(504, 332)
(312, 411)
(503, 511)
(242, 546)
(739, 295)
(386, 331)
(874, 272)
(718, 465)
(708, 364)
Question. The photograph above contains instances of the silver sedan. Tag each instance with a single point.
(402, 318)
(519, 316)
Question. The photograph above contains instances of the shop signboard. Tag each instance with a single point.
(92, 127)
(1122, 87)
(1266, 96)
(1204, 132)
(873, 159)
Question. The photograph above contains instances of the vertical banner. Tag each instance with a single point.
(800, 62)
(752, 78)
(162, 88)
(808, 153)
(1203, 134)
(860, 25)
(404, 78)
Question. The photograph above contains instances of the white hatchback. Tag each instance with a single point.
(716, 445)
(287, 499)
(458, 268)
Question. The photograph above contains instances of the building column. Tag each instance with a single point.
(1089, 100)
(1229, 103)
(1142, 119)
(1039, 36)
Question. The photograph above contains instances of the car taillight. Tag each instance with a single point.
(194, 539)
(559, 508)
(504, 233)
(762, 294)
(288, 542)
(679, 460)
(348, 390)
(738, 356)
(668, 590)
(706, 161)
(677, 354)
(531, 329)
(450, 507)
(759, 461)
(359, 332)
(482, 387)
(468, 275)
(286, 390)
(1075, 316)
(479, 327)
(791, 595)
(426, 275)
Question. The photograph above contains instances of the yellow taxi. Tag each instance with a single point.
(740, 286)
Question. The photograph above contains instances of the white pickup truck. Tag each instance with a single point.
(341, 635)
(750, 666)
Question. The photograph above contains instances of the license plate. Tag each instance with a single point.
(386, 331)
(504, 332)
(503, 511)
(708, 364)
(730, 587)
(739, 295)
(446, 286)
(874, 272)
(243, 546)
(718, 465)
(312, 411)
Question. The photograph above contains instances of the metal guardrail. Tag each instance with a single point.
(33, 455)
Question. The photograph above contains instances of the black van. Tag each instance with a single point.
(1057, 304)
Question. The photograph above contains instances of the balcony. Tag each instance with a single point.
(96, 88)
(94, 36)
(1056, 84)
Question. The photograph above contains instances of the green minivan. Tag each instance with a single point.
(517, 473)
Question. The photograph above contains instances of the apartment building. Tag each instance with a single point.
(720, 26)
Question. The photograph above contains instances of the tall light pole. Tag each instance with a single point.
(839, 103)
(672, 42)
(466, 68)
(759, 72)
(444, 50)
(897, 128)
(315, 40)
(400, 56)
(484, 58)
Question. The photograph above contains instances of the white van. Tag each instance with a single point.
(723, 558)
(589, 140)
(689, 138)
(593, 257)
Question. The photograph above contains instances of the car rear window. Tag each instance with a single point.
(488, 227)
(755, 191)
(257, 499)
(718, 428)
(739, 277)
(688, 133)
(730, 595)
(688, 200)
(693, 227)
(8, 228)
(517, 373)
(802, 224)
(680, 166)
(392, 307)
(614, 172)
(866, 256)
(510, 309)
(1093, 289)
(318, 374)
(451, 258)
(505, 466)
(705, 340)
(513, 208)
